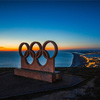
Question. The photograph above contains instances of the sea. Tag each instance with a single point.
(64, 58)
(93, 55)
(13, 59)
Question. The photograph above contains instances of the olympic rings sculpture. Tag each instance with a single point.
(39, 52)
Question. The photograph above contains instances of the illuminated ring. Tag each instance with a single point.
(26, 54)
(39, 53)
(55, 46)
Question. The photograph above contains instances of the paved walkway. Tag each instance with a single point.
(11, 85)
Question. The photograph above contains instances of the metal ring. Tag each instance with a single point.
(26, 54)
(39, 53)
(46, 54)
(55, 46)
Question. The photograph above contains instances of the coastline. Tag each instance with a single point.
(77, 60)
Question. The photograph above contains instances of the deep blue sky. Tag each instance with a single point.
(72, 24)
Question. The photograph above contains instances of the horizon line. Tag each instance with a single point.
(16, 50)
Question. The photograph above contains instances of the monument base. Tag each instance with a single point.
(39, 75)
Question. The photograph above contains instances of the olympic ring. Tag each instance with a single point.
(55, 46)
(26, 54)
(39, 52)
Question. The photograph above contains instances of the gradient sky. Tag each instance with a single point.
(71, 24)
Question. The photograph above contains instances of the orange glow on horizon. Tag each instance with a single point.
(8, 49)
(24, 49)
(37, 48)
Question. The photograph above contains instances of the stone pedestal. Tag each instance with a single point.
(39, 75)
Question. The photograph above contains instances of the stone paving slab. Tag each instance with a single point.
(11, 85)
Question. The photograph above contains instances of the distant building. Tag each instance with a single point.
(91, 64)
(91, 61)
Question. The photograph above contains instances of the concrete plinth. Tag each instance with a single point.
(39, 75)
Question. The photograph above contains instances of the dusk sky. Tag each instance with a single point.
(71, 24)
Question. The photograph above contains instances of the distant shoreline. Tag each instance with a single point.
(77, 60)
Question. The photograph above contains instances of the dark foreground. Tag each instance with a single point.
(87, 90)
